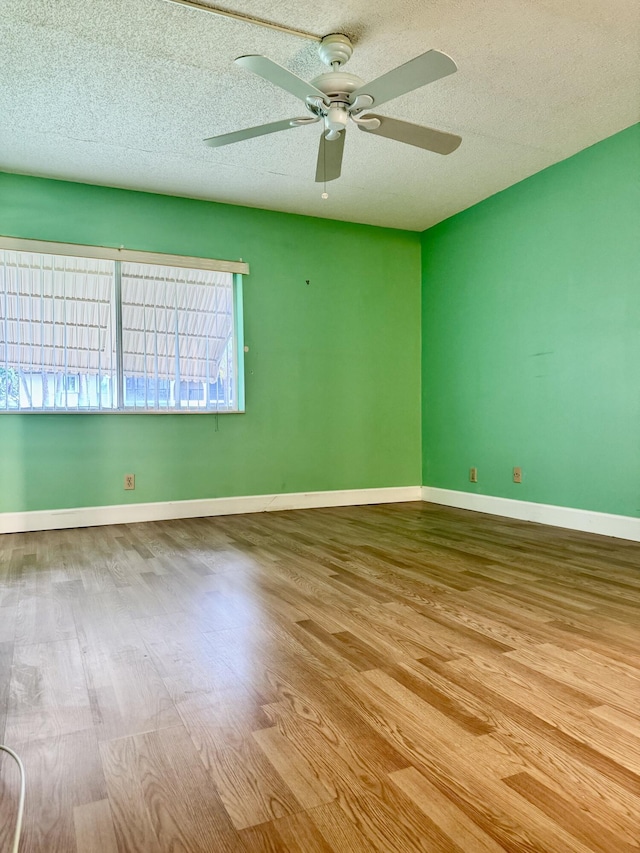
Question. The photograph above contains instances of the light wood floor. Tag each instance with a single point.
(390, 678)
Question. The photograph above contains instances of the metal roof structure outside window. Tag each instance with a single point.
(83, 333)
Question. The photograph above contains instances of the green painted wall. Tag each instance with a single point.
(332, 375)
(531, 336)
(530, 348)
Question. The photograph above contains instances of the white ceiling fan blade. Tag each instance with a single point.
(280, 76)
(329, 158)
(427, 68)
(250, 132)
(414, 134)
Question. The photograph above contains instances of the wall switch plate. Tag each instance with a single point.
(473, 475)
(129, 481)
(517, 475)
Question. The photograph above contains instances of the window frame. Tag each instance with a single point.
(237, 269)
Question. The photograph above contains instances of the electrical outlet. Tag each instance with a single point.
(129, 481)
(473, 475)
(517, 475)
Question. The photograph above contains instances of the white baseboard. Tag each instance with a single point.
(91, 516)
(605, 524)
(620, 526)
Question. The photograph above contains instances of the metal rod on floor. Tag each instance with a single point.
(21, 797)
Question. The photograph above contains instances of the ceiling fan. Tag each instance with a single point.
(336, 97)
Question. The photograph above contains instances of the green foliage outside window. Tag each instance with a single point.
(9, 388)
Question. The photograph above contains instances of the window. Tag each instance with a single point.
(118, 333)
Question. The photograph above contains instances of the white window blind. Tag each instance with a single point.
(177, 334)
(90, 334)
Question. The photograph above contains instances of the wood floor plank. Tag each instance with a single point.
(346, 645)
(558, 768)
(48, 692)
(42, 619)
(357, 774)
(249, 785)
(126, 689)
(6, 660)
(392, 822)
(366, 759)
(341, 833)
(133, 823)
(93, 824)
(465, 712)
(562, 811)
(271, 665)
(630, 723)
(465, 781)
(603, 680)
(294, 833)
(444, 640)
(345, 768)
(8, 618)
(62, 773)
(321, 708)
(161, 796)
(444, 813)
(602, 753)
(391, 700)
(184, 657)
(291, 764)
(225, 715)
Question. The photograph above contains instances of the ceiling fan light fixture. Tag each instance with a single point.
(336, 120)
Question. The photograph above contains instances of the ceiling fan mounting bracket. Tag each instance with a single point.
(299, 122)
(366, 123)
(335, 49)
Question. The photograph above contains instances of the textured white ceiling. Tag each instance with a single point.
(122, 92)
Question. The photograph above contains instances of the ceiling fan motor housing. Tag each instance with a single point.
(337, 84)
(337, 87)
